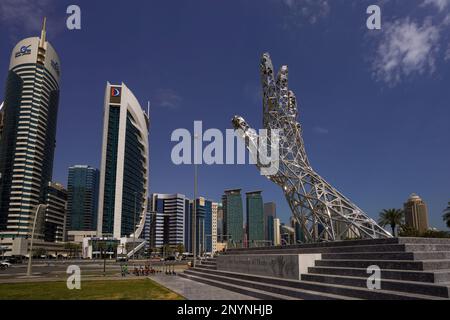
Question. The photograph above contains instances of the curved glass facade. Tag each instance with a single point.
(29, 133)
(123, 192)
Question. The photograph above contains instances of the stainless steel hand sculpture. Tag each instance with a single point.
(323, 213)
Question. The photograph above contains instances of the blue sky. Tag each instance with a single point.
(374, 104)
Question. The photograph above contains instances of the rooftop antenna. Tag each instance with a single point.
(43, 32)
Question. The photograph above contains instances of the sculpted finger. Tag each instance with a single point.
(268, 85)
(283, 89)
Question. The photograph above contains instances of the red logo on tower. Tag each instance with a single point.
(115, 92)
(115, 95)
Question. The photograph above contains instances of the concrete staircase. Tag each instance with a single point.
(411, 269)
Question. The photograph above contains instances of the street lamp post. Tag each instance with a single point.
(29, 271)
(194, 207)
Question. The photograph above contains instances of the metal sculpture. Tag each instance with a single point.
(324, 214)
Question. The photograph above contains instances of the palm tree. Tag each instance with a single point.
(392, 217)
(446, 215)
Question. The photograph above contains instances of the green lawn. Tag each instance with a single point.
(143, 289)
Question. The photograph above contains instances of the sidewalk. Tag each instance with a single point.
(193, 290)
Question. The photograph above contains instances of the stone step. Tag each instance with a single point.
(423, 241)
(289, 250)
(429, 289)
(426, 247)
(433, 255)
(353, 249)
(369, 256)
(417, 276)
(376, 245)
(343, 291)
(203, 266)
(259, 294)
(323, 245)
(386, 264)
(270, 289)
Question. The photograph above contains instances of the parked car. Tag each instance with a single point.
(171, 258)
(4, 265)
(15, 260)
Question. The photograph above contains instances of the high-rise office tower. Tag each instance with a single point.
(123, 192)
(416, 213)
(255, 219)
(28, 139)
(215, 209)
(55, 213)
(1, 120)
(299, 238)
(82, 202)
(276, 232)
(270, 213)
(220, 223)
(168, 216)
(203, 226)
(233, 217)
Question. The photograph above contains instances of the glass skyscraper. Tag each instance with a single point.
(82, 202)
(270, 213)
(123, 192)
(233, 218)
(55, 213)
(168, 220)
(255, 219)
(29, 132)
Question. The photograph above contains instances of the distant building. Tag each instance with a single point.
(167, 220)
(79, 236)
(203, 227)
(276, 232)
(55, 213)
(215, 209)
(82, 202)
(270, 213)
(123, 191)
(287, 235)
(416, 213)
(255, 219)
(233, 217)
(299, 238)
(220, 237)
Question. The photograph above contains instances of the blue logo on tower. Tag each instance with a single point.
(24, 50)
(55, 66)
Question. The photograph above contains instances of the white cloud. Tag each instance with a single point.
(168, 98)
(307, 10)
(406, 48)
(321, 130)
(24, 15)
(439, 4)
